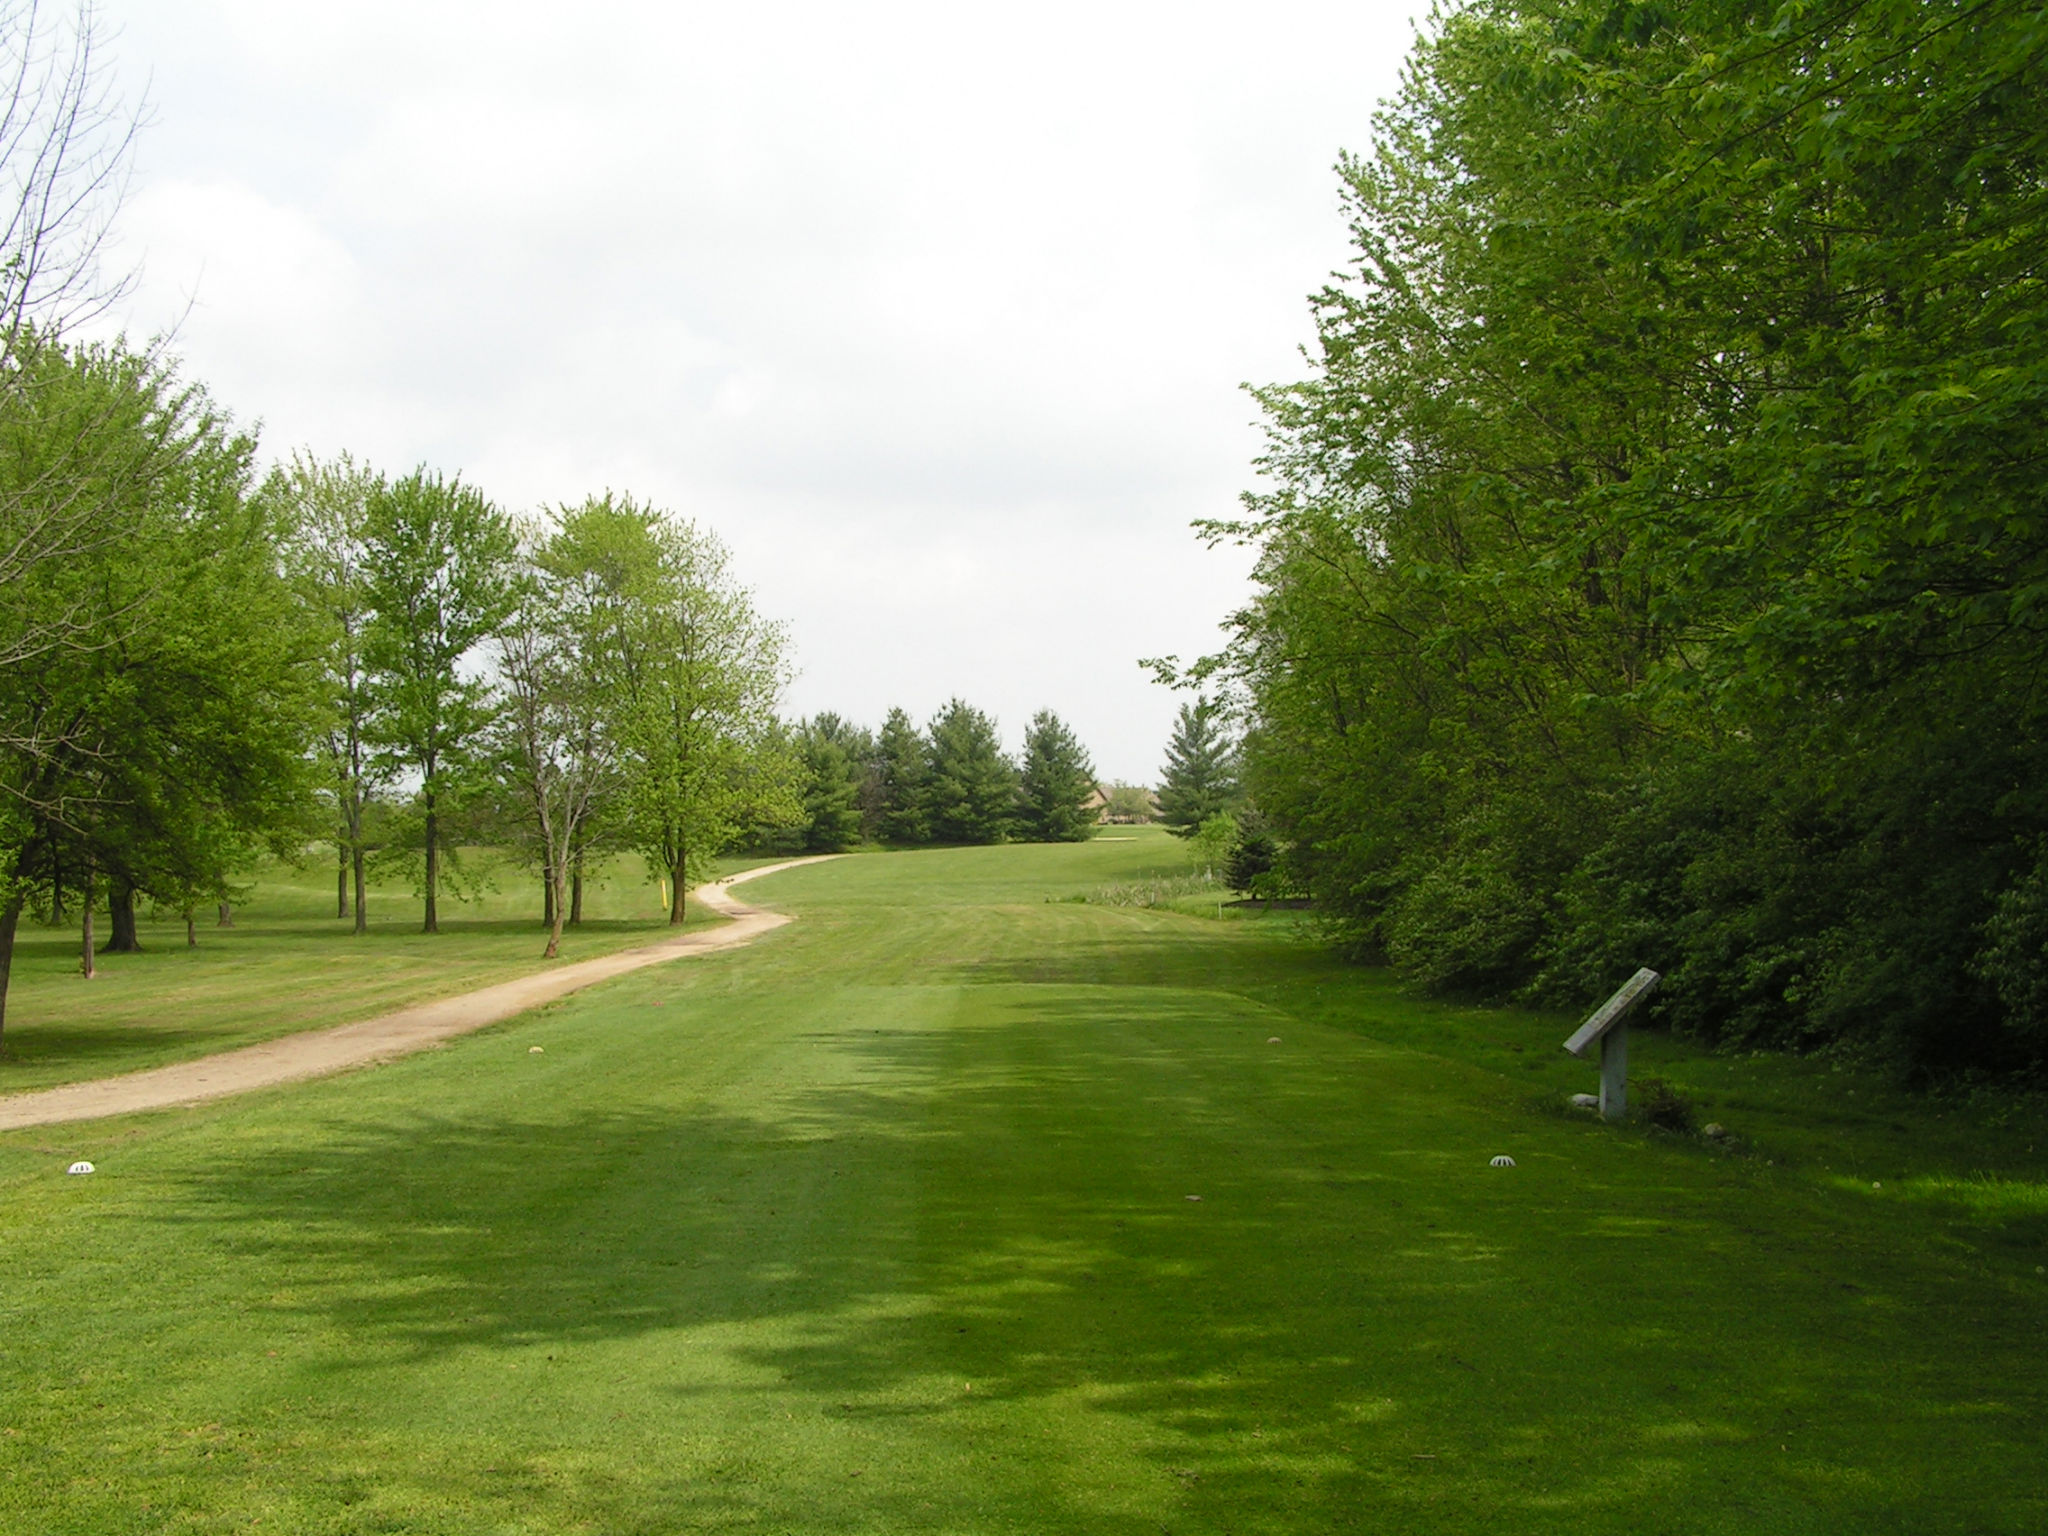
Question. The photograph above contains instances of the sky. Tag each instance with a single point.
(938, 315)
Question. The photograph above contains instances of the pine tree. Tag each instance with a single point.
(972, 793)
(832, 817)
(1200, 779)
(902, 759)
(1057, 782)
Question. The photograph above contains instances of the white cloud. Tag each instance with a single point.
(936, 313)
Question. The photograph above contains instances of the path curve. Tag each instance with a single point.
(317, 1052)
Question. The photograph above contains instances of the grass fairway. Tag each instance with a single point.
(882, 1225)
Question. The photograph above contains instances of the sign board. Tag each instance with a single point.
(1614, 1011)
(1609, 1027)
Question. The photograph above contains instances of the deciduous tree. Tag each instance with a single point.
(439, 563)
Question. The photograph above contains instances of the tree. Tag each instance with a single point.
(438, 561)
(1250, 859)
(835, 758)
(1649, 566)
(1057, 782)
(327, 512)
(1128, 802)
(904, 770)
(558, 747)
(971, 791)
(1200, 777)
(697, 674)
(164, 736)
(65, 141)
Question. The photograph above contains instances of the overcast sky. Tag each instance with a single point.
(936, 314)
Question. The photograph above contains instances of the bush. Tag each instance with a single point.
(1250, 857)
(1658, 1103)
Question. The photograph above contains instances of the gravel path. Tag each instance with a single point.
(319, 1052)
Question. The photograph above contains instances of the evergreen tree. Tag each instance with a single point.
(972, 791)
(1057, 782)
(834, 765)
(1200, 779)
(903, 767)
(1250, 857)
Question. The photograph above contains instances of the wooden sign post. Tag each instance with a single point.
(1610, 1027)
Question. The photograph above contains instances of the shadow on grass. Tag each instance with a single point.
(1358, 1322)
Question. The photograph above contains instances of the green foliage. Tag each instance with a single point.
(1200, 777)
(1212, 842)
(156, 679)
(835, 769)
(439, 565)
(691, 675)
(1651, 569)
(1128, 803)
(903, 762)
(1656, 1102)
(1056, 784)
(1249, 861)
(970, 794)
(323, 511)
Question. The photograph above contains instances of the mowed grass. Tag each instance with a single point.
(289, 964)
(882, 1225)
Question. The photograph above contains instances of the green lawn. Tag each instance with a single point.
(289, 964)
(882, 1225)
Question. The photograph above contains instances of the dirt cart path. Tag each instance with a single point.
(319, 1052)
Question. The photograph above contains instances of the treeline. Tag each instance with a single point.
(950, 782)
(1653, 570)
(198, 669)
(588, 682)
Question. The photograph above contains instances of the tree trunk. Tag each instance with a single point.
(227, 915)
(675, 900)
(547, 897)
(191, 934)
(576, 895)
(433, 922)
(85, 960)
(341, 880)
(555, 905)
(362, 912)
(121, 938)
(10, 919)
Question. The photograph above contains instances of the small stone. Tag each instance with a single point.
(81, 1168)
(533, 1050)
(1585, 1101)
(1715, 1130)
(1194, 1197)
(1503, 1161)
(1876, 1185)
(1272, 1039)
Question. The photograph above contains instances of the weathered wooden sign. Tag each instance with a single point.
(1609, 1026)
